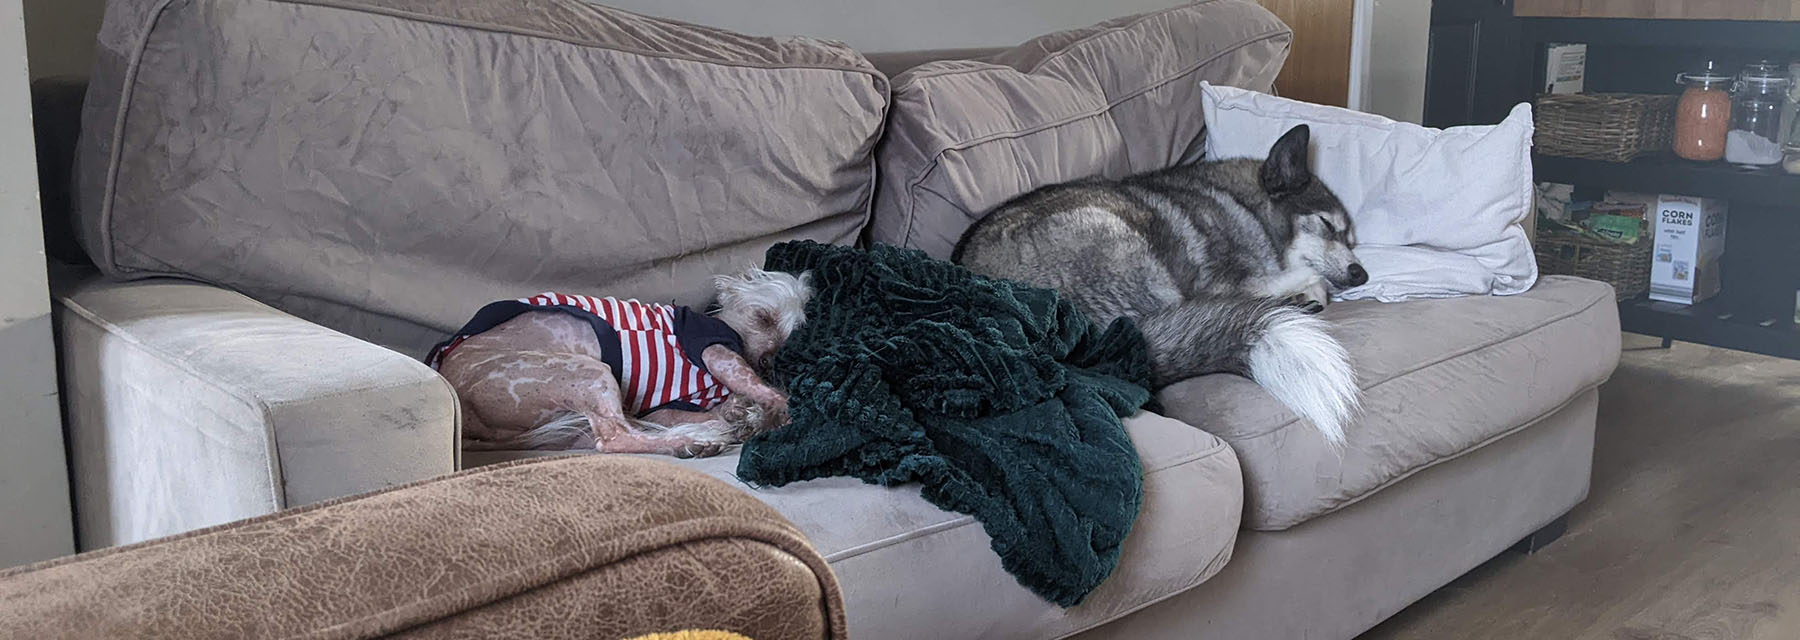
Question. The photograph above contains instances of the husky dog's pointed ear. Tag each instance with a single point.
(1286, 171)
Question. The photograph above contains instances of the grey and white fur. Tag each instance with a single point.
(1221, 263)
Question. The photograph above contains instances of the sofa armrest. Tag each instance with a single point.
(575, 547)
(189, 405)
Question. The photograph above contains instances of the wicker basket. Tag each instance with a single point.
(1615, 127)
(1624, 266)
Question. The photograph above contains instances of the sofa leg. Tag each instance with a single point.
(1543, 536)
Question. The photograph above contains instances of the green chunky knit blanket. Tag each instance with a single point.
(1000, 400)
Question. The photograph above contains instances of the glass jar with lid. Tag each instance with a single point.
(1790, 159)
(1755, 136)
(1790, 110)
(1703, 116)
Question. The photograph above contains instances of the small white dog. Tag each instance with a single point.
(558, 371)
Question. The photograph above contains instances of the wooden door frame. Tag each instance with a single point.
(1362, 19)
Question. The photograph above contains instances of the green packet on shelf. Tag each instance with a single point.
(1620, 229)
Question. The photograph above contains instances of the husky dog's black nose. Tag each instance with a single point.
(1358, 277)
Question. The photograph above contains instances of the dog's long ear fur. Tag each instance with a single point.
(1286, 171)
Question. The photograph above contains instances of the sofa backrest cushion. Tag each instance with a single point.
(409, 160)
(1115, 99)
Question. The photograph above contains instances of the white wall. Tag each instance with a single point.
(1399, 33)
(897, 25)
(35, 520)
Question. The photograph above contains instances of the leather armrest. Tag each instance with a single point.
(594, 546)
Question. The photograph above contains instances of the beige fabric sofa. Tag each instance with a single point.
(332, 224)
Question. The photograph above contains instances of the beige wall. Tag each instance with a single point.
(35, 520)
(897, 25)
(1399, 33)
(62, 31)
(60, 35)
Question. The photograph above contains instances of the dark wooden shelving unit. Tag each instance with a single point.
(1755, 310)
(1714, 322)
(1765, 187)
(1716, 35)
(1765, 198)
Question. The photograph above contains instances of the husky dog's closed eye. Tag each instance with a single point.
(1219, 262)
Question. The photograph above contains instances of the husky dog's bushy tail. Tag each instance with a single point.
(1280, 347)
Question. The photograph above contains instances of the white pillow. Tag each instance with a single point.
(1438, 212)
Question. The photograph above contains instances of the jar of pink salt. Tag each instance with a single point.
(1703, 116)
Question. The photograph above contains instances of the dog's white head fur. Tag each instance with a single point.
(764, 308)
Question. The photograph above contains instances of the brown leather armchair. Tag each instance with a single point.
(568, 547)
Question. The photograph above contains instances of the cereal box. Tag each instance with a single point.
(1690, 241)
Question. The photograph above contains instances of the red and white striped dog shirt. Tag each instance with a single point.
(653, 349)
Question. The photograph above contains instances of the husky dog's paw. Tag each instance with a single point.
(1315, 297)
(1305, 302)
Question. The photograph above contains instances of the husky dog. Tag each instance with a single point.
(558, 371)
(1220, 263)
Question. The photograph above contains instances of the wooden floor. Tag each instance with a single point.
(1690, 532)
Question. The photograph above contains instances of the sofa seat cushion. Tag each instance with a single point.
(1440, 378)
(912, 570)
